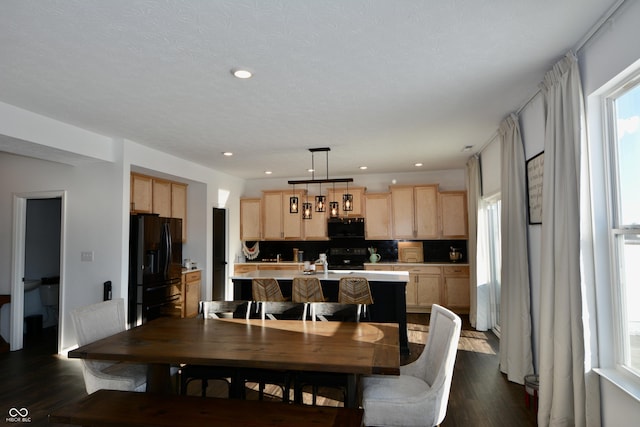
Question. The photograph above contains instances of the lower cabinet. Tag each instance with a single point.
(191, 283)
(456, 285)
(446, 285)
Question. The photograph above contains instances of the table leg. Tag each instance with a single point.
(352, 395)
(159, 378)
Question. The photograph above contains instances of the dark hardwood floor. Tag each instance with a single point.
(39, 380)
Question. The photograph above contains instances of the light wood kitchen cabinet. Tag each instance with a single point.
(248, 267)
(358, 200)
(456, 288)
(191, 283)
(250, 219)
(316, 227)
(162, 197)
(141, 193)
(415, 211)
(179, 205)
(277, 222)
(159, 196)
(424, 287)
(244, 268)
(377, 216)
(453, 214)
(426, 211)
(402, 212)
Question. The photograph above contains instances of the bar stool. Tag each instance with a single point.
(307, 289)
(355, 290)
(266, 289)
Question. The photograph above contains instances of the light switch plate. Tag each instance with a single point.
(86, 256)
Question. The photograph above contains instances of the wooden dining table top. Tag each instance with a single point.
(342, 347)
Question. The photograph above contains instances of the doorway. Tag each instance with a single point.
(37, 263)
(219, 254)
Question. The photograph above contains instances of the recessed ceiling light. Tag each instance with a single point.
(241, 73)
(227, 153)
(268, 172)
(418, 164)
(363, 168)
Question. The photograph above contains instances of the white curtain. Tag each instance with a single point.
(562, 345)
(516, 359)
(473, 195)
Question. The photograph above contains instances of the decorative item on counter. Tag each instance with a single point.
(300, 256)
(295, 254)
(455, 254)
(251, 252)
(324, 263)
(374, 255)
(187, 264)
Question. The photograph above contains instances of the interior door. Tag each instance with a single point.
(219, 253)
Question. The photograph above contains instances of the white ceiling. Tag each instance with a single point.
(383, 83)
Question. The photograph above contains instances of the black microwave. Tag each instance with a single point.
(340, 228)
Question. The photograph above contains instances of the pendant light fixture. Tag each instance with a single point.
(293, 202)
(307, 207)
(333, 205)
(321, 200)
(347, 201)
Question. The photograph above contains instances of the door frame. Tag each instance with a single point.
(18, 238)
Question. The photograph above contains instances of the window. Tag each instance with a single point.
(489, 262)
(495, 261)
(623, 113)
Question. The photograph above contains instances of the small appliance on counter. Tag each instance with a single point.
(455, 254)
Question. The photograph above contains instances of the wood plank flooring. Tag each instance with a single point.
(39, 380)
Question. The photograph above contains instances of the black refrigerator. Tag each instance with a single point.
(155, 268)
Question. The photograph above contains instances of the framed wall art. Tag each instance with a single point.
(535, 167)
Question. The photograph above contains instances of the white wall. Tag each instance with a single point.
(93, 205)
(95, 176)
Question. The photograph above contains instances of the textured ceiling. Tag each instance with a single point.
(384, 83)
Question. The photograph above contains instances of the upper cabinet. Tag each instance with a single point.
(277, 222)
(250, 219)
(377, 222)
(141, 193)
(159, 196)
(453, 214)
(406, 212)
(316, 227)
(415, 211)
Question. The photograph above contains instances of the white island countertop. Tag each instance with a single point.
(331, 275)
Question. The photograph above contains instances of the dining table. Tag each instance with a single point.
(351, 348)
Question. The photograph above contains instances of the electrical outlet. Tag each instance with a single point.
(86, 256)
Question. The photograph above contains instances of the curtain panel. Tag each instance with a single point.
(516, 357)
(473, 196)
(562, 349)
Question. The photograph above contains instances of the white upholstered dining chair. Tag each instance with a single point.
(97, 321)
(419, 396)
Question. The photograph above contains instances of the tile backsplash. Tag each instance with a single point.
(434, 250)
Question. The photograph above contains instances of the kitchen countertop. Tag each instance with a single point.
(416, 264)
(331, 275)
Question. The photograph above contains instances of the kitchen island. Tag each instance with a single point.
(388, 289)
